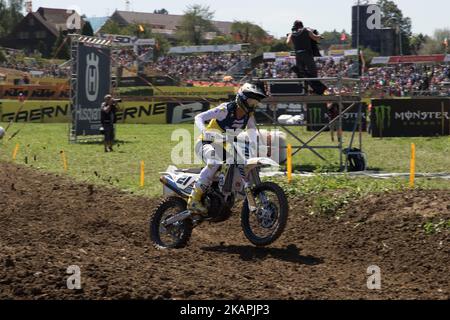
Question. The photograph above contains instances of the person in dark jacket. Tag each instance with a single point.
(333, 111)
(108, 119)
(305, 42)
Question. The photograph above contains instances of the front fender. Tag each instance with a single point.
(261, 162)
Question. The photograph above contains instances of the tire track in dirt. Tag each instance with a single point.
(50, 223)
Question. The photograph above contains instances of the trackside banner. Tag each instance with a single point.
(33, 92)
(131, 112)
(317, 116)
(94, 82)
(410, 118)
(35, 111)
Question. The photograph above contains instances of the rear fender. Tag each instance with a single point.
(171, 187)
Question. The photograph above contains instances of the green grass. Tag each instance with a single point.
(40, 146)
(436, 227)
(331, 195)
(387, 155)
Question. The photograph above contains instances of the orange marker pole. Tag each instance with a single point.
(289, 163)
(142, 174)
(16, 150)
(413, 166)
(64, 160)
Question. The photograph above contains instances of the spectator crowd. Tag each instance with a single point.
(15, 59)
(400, 80)
(212, 66)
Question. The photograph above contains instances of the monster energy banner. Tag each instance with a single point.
(410, 118)
(94, 82)
(318, 117)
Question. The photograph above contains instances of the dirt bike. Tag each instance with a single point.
(264, 212)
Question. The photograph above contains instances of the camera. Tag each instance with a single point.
(117, 100)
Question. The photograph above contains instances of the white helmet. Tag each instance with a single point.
(249, 91)
(2, 132)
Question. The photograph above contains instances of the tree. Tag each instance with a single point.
(392, 17)
(41, 47)
(61, 49)
(435, 44)
(195, 22)
(162, 46)
(161, 11)
(247, 32)
(417, 43)
(3, 56)
(369, 54)
(334, 38)
(111, 27)
(221, 40)
(280, 46)
(87, 29)
(10, 15)
(441, 34)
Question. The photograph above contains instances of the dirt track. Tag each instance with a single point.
(49, 223)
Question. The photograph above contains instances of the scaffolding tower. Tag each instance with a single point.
(305, 99)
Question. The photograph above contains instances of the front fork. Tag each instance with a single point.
(254, 180)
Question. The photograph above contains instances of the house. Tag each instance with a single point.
(39, 30)
(166, 24)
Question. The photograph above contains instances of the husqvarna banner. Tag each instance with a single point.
(410, 118)
(94, 82)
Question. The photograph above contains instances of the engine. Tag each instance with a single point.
(219, 210)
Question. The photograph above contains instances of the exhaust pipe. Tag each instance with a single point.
(169, 183)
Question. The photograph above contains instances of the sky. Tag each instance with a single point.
(276, 17)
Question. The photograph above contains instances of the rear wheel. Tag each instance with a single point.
(175, 236)
(267, 224)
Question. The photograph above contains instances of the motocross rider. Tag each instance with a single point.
(233, 116)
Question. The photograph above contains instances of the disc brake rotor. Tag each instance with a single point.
(267, 216)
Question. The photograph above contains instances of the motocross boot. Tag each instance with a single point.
(195, 204)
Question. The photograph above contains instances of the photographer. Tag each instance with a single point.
(108, 119)
(306, 48)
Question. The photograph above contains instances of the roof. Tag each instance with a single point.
(54, 18)
(51, 27)
(168, 21)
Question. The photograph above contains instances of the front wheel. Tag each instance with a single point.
(175, 236)
(267, 224)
